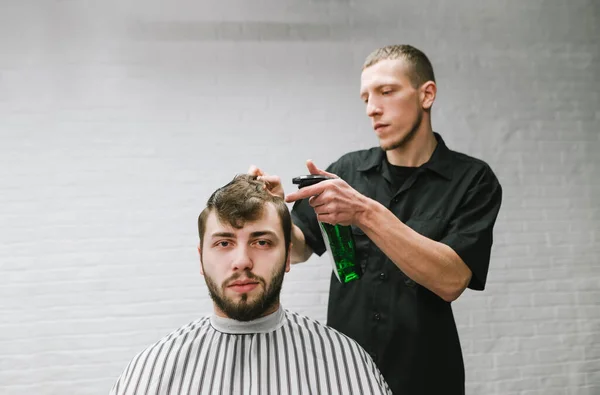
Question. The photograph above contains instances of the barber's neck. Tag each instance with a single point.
(417, 150)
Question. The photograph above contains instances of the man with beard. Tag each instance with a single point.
(250, 345)
(422, 218)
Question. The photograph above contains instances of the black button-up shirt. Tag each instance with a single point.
(408, 330)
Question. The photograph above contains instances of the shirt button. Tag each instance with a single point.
(377, 316)
(382, 276)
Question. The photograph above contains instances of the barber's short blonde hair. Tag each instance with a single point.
(420, 68)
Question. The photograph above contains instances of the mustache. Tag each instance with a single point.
(247, 275)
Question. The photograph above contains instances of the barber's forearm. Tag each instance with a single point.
(432, 264)
(300, 250)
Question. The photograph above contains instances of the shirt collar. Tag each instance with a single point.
(265, 324)
(438, 163)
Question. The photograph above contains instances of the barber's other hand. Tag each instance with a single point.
(272, 183)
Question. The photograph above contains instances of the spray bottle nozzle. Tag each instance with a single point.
(308, 180)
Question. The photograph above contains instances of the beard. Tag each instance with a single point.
(244, 310)
(407, 137)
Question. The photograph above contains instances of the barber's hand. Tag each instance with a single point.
(334, 201)
(273, 183)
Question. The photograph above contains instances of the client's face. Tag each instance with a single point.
(244, 268)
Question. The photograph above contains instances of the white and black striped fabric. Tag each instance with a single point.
(283, 353)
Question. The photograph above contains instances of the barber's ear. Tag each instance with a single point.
(200, 256)
(428, 91)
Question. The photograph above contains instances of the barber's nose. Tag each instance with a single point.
(372, 108)
(242, 259)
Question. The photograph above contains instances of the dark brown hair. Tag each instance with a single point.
(243, 199)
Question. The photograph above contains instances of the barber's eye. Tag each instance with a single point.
(386, 92)
(263, 243)
(223, 244)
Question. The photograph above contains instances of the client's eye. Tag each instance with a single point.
(263, 243)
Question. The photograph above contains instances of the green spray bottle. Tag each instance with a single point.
(338, 239)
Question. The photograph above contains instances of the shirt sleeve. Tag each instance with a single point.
(304, 217)
(470, 231)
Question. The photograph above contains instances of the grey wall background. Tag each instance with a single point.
(117, 120)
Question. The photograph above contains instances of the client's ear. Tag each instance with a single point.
(289, 258)
(200, 255)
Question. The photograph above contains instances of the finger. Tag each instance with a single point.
(327, 218)
(306, 192)
(271, 180)
(313, 169)
(321, 211)
(255, 171)
(316, 201)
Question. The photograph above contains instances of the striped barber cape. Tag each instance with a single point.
(282, 353)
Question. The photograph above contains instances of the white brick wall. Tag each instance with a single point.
(117, 119)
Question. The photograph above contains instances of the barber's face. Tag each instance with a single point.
(244, 268)
(392, 103)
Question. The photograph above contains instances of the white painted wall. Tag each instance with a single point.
(118, 119)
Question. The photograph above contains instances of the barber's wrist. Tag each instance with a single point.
(365, 216)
